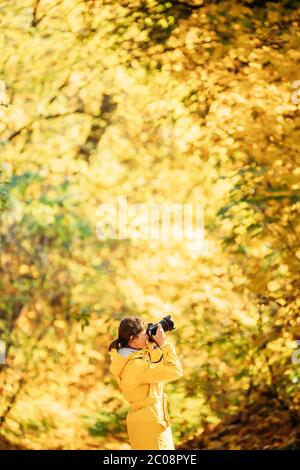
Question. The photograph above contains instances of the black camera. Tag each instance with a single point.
(166, 323)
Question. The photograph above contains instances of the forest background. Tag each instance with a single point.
(159, 102)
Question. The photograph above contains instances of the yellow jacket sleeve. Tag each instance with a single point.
(168, 369)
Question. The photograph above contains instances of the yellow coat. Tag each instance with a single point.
(141, 382)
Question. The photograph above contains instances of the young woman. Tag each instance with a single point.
(140, 370)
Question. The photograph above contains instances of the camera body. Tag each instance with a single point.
(166, 323)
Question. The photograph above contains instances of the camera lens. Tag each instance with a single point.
(166, 323)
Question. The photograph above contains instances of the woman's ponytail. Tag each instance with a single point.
(116, 344)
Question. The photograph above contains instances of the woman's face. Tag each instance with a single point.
(139, 341)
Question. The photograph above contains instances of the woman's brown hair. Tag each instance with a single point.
(129, 326)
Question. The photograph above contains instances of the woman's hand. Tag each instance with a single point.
(160, 336)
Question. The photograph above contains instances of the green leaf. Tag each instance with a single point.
(241, 249)
(223, 210)
(255, 229)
